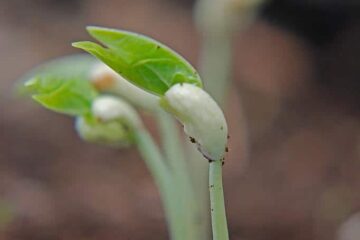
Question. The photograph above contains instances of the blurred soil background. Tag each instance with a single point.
(295, 89)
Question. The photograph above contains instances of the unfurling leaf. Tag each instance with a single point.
(141, 60)
(63, 86)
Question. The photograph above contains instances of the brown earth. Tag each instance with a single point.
(299, 181)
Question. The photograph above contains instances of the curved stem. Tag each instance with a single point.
(163, 179)
(218, 214)
(172, 146)
(152, 158)
(188, 209)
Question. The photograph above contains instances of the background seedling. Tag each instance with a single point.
(176, 87)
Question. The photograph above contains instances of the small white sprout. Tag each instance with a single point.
(203, 120)
(107, 80)
(112, 122)
(108, 108)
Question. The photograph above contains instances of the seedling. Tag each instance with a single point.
(155, 78)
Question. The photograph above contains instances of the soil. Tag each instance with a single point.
(292, 171)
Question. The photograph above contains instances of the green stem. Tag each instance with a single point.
(215, 68)
(199, 171)
(187, 207)
(218, 214)
(172, 146)
(163, 179)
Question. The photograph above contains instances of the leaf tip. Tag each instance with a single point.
(85, 45)
(96, 30)
(101, 33)
(77, 44)
(93, 28)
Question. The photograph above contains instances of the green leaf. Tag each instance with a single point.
(141, 60)
(63, 86)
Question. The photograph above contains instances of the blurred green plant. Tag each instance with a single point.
(104, 116)
(61, 85)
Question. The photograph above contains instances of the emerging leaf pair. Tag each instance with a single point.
(157, 75)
